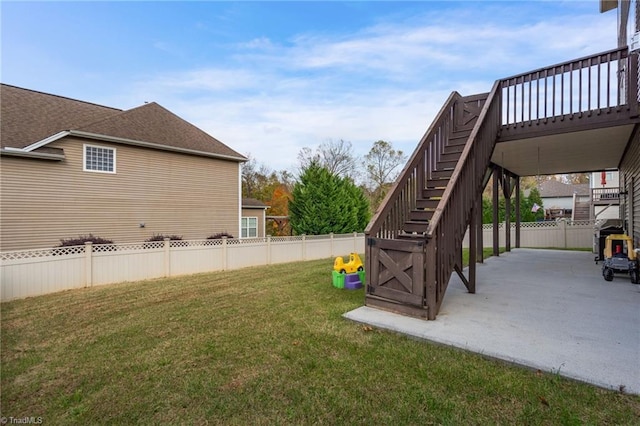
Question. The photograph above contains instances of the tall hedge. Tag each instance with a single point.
(323, 203)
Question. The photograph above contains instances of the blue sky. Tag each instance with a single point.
(268, 78)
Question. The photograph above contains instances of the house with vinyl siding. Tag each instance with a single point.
(70, 168)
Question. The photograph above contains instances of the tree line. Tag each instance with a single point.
(328, 191)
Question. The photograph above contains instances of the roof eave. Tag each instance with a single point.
(106, 138)
(34, 155)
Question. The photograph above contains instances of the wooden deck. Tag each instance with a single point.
(583, 94)
(569, 117)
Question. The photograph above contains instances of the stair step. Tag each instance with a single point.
(458, 139)
(422, 204)
(428, 193)
(418, 215)
(450, 156)
(438, 183)
(428, 204)
(415, 226)
(453, 149)
(460, 133)
(440, 164)
(410, 236)
(441, 174)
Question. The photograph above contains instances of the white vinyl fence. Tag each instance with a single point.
(35, 272)
(561, 233)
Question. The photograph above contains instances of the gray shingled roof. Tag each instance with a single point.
(253, 203)
(29, 117)
(553, 188)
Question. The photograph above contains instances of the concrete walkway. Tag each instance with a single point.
(546, 309)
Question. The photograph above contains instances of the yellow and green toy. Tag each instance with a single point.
(349, 275)
(354, 264)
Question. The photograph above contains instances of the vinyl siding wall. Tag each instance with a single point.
(630, 182)
(45, 201)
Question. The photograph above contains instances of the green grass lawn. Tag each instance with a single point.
(263, 345)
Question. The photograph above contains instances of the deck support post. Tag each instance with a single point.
(506, 189)
(496, 232)
(517, 211)
(473, 248)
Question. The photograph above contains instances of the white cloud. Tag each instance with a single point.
(383, 82)
(261, 43)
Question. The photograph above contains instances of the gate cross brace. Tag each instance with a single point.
(395, 270)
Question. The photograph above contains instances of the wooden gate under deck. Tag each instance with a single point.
(397, 269)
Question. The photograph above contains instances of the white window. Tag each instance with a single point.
(249, 227)
(99, 159)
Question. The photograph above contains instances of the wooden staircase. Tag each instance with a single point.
(430, 196)
(582, 211)
(414, 241)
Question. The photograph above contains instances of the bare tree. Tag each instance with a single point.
(258, 180)
(383, 163)
(573, 178)
(334, 156)
(306, 157)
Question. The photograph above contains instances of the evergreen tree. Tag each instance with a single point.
(323, 203)
(526, 208)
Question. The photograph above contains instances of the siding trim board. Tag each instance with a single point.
(32, 155)
(240, 199)
(46, 141)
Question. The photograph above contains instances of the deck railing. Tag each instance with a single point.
(589, 85)
(401, 199)
(604, 195)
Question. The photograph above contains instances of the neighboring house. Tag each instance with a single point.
(559, 200)
(253, 218)
(605, 194)
(71, 168)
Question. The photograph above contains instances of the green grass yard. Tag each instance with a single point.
(264, 345)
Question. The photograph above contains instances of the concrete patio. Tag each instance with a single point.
(544, 309)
